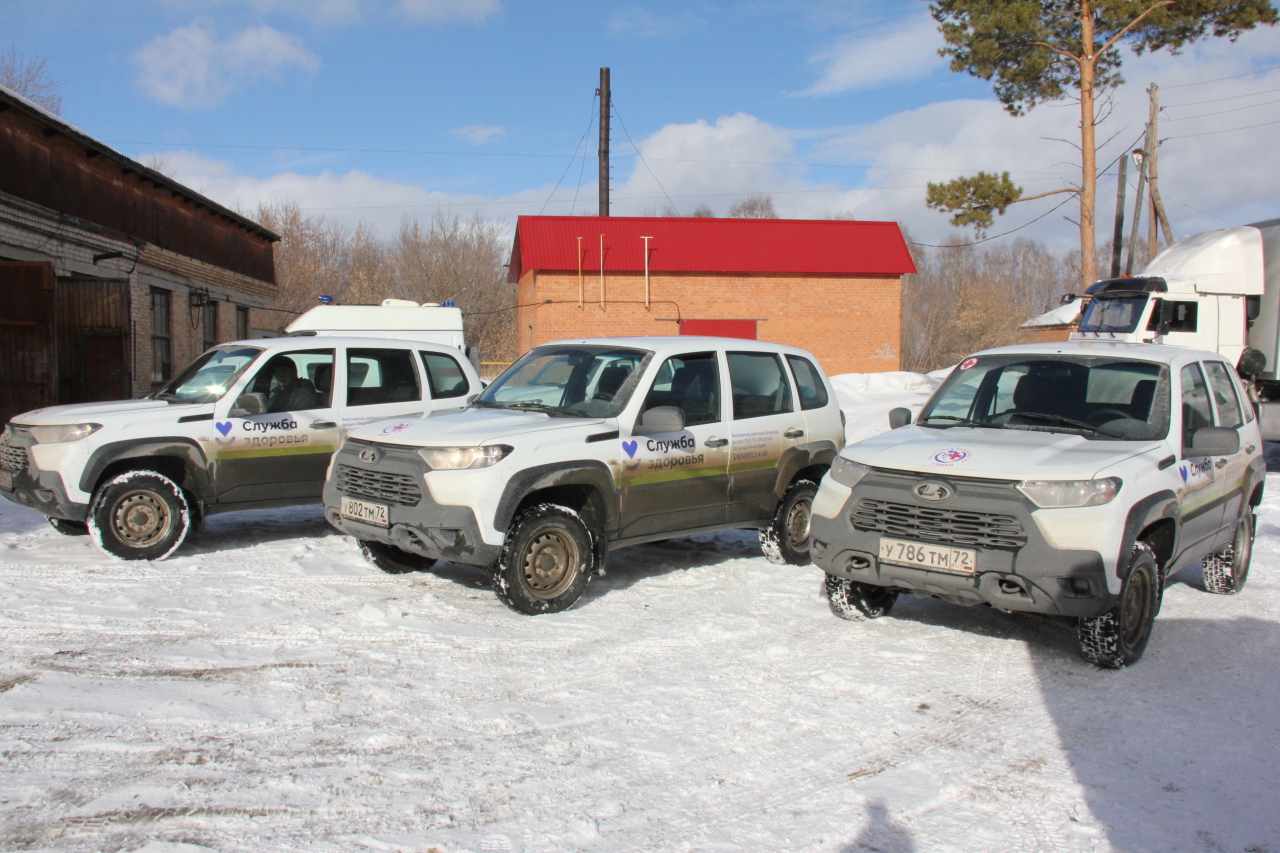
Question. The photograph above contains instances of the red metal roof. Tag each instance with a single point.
(707, 245)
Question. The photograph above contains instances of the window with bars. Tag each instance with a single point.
(161, 340)
(210, 324)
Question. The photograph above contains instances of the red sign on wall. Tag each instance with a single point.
(720, 328)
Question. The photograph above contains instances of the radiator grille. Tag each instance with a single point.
(13, 458)
(932, 524)
(389, 488)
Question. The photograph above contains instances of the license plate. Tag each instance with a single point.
(366, 512)
(942, 558)
(6, 480)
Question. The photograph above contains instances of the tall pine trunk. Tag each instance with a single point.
(1088, 152)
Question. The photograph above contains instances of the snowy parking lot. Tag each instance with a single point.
(266, 689)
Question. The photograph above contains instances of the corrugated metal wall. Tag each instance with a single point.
(92, 340)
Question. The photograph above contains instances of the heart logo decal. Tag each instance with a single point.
(223, 427)
(630, 447)
(1182, 469)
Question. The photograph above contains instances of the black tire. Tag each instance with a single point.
(547, 559)
(1225, 572)
(139, 515)
(786, 539)
(1118, 638)
(858, 601)
(393, 560)
(69, 528)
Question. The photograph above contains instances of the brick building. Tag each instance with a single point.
(112, 275)
(830, 286)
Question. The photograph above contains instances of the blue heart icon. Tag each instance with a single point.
(1182, 469)
(223, 427)
(630, 447)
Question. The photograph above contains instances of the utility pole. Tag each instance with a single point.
(1140, 159)
(1153, 173)
(1117, 236)
(603, 92)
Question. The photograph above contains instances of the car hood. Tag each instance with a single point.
(1001, 454)
(464, 428)
(76, 413)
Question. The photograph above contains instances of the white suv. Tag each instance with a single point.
(1070, 479)
(248, 424)
(584, 446)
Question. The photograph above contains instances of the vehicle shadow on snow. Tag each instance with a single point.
(631, 565)
(233, 530)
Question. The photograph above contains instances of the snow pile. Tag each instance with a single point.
(866, 398)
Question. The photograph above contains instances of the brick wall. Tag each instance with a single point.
(852, 324)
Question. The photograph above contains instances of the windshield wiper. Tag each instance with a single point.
(170, 397)
(543, 407)
(960, 421)
(1071, 422)
(486, 404)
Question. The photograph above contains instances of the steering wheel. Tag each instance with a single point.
(1102, 416)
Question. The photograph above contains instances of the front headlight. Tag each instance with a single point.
(63, 432)
(847, 472)
(1060, 494)
(455, 458)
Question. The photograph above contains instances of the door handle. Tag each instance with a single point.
(716, 442)
(794, 433)
(323, 425)
(1250, 449)
(1221, 462)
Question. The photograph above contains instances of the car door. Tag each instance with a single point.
(381, 382)
(1201, 480)
(678, 481)
(1233, 470)
(766, 424)
(281, 454)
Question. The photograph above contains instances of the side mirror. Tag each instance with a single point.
(1252, 362)
(1215, 441)
(660, 419)
(248, 404)
(899, 417)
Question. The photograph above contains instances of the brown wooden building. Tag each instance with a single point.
(112, 275)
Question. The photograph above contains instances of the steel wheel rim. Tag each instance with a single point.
(799, 522)
(1242, 549)
(550, 563)
(141, 519)
(1135, 610)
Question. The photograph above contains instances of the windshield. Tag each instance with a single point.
(575, 381)
(210, 376)
(1095, 396)
(1114, 314)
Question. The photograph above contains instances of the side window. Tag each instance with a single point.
(760, 386)
(1182, 319)
(692, 384)
(443, 375)
(1224, 395)
(1195, 403)
(813, 394)
(295, 381)
(381, 376)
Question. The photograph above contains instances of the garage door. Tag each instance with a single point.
(26, 338)
(720, 328)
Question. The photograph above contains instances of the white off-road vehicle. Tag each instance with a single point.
(1070, 479)
(248, 424)
(585, 446)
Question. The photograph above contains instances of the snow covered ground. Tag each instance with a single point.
(265, 689)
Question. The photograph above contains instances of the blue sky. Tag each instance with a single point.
(834, 107)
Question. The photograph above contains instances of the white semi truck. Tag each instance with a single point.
(1217, 291)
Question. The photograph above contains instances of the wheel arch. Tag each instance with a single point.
(585, 486)
(1154, 519)
(178, 458)
(803, 461)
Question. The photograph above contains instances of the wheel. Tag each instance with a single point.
(786, 539)
(1117, 638)
(547, 559)
(393, 560)
(857, 601)
(68, 528)
(139, 515)
(1226, 571)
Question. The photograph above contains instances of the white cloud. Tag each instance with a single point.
(479, 134)
(323, 11)
(641, 22)
(446, 11)
(900, 54)
(192, 69)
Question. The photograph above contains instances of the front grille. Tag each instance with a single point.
(379, 485)
(932, 524)
(13, 458)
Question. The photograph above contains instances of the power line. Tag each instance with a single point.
(1226, 130)
(1220, 100)
(998, 236)
(614, 105)
(1224, 112)
(581, 141)
(1220, 79)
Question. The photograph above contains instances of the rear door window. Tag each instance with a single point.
(377, 376)
(760, 386)
(444, 376)
(813, 393)
(1224, 395)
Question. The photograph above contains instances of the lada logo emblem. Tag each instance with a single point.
(368, 456)
(933, 491)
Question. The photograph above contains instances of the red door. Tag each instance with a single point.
(720, 328)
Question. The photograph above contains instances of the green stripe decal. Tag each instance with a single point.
(294, 450)
(753, 465)
(669, 476)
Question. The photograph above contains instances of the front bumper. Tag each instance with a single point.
(43, 491)
(1017, 569)
(417, 523)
